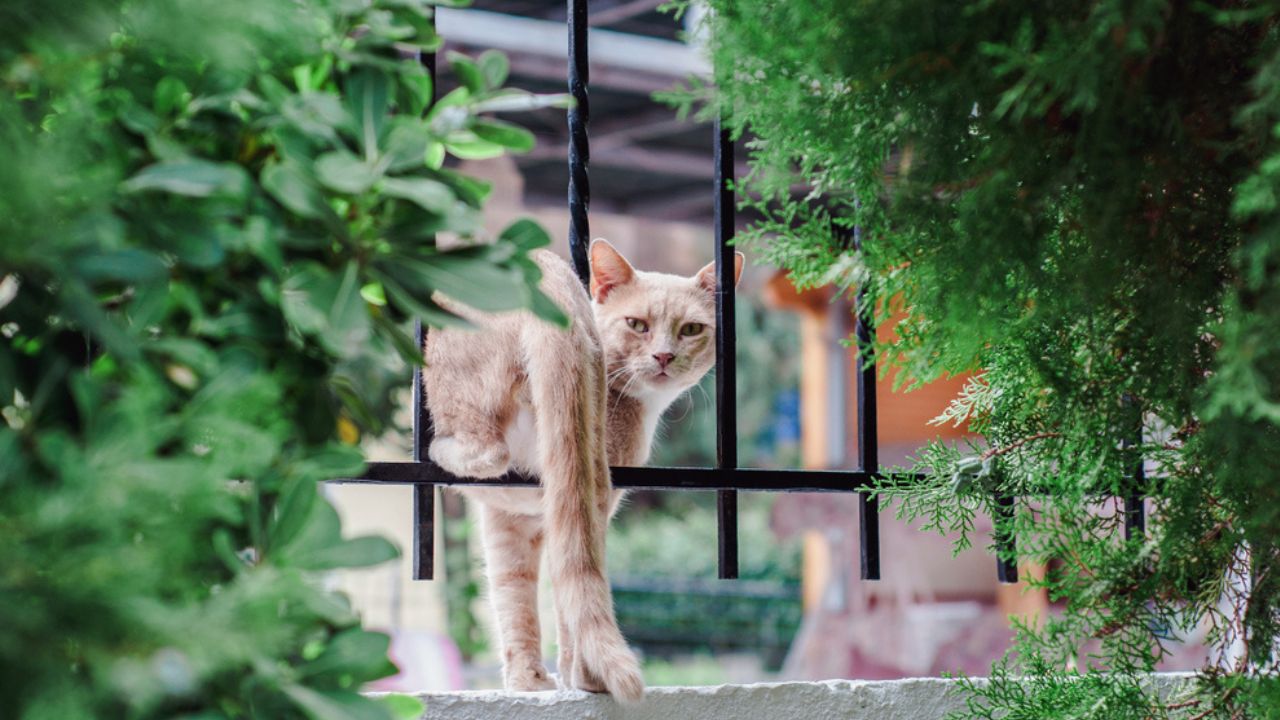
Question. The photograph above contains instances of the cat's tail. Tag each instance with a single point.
(567, 385)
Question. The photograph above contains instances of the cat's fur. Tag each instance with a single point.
(563, 405)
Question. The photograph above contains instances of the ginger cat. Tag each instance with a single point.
(562, 406)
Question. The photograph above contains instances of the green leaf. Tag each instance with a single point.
(419, 88)
(425, 310)
(435, 155)
(127, 264)
(466, 145)
(170, 94)
(318, 115)
(327, 306)
(431, 195)
(358, 653)
(503, 133)
(526, 235)
(292, 512)
(288, 183)
(335, 704)
(546, 308)
(407, 144)
(471, 280)
(311, 527)
(471, 190)
(357, 552)
(340, 170)
(469, 75)
(516, 100)
(304, 298)
(454, 99)
(403, 707)
(373, 294)
(192, 178)
(368, 95)
(494, 67)
(200, 248)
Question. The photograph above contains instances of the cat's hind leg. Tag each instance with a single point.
(512, 550)
(469, 381)
(470, 456)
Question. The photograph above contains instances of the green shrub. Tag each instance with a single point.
(1077, 203)
(216, 222)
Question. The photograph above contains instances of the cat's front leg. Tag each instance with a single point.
(512, 550)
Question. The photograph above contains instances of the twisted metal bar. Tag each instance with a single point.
(579, 146)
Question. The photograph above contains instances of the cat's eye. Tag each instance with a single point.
(691, 329)
(638, 325)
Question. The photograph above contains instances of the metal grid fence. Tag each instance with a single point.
(726, 478)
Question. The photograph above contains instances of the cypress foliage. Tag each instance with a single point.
(1077, 202)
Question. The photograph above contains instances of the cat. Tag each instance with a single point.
(563, 405)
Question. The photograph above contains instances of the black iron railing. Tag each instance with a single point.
(726, 478)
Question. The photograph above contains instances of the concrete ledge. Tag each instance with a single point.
(913, 699)
(910, 699)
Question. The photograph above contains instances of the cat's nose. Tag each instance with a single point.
(664, 359)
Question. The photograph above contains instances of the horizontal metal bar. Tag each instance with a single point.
(652, 478)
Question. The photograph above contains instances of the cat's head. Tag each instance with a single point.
(658, 330)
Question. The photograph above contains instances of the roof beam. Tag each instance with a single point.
(551, 69)
(623, 11)
(676, 163)
(608, 48)
(616, 132)
(674, 206)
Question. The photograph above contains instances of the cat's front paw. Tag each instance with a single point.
(469, 459)
(528, 679)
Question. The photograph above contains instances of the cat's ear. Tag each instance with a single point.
(707, 276)
(608, 269)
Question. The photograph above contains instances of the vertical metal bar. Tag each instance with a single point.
(868, 436)
(726, 363)
(579, 147)
(424, 495)
(1135, 518)
(1006, 544)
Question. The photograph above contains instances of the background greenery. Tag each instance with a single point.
(215, 225)
(1077, 202)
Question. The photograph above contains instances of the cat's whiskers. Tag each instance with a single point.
(626, 386)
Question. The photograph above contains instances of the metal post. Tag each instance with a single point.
(1135, 515)
(868, 440)
(726, 363)
(424, 494)
(1006, 544)
(579, 146)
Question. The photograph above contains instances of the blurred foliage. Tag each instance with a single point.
(699, 670)
(680, 542)
(215, 226)
(1077, 202)
(662, 562)
(462, 573)
(679, 618)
